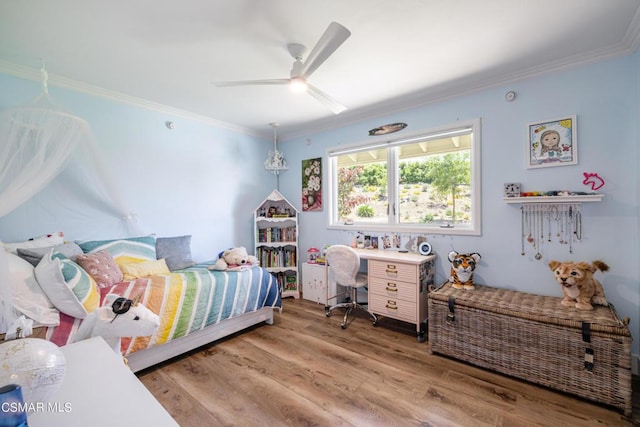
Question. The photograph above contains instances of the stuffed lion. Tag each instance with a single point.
(579, 287)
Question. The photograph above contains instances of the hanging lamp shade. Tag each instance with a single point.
(275, 161)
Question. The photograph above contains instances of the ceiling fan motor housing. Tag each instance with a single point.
(296, 50)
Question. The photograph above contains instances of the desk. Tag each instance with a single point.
(398, 285)
(99, 390)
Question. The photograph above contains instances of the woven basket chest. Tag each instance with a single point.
(535, 338)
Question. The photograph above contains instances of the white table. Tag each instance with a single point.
(99, 390)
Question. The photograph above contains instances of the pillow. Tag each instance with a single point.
(67, 285)
(34, 255)
(28, 298)
(101, 266)
(135, 270)
(176, 251)
(40, 242)
(124, 251)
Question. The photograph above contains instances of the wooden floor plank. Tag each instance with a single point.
(305, 370)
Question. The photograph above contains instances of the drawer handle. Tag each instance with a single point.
(391, 271)
(391, 305)
(392, 289)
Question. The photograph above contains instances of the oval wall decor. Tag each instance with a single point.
(385, 129)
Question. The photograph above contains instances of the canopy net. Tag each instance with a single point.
(37, 142)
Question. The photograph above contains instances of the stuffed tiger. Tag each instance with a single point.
(462, 268)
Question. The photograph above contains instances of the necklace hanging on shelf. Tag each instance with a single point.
(539, 232)
(578, 228)
(522, 236)
(561, 227)
(529, 236)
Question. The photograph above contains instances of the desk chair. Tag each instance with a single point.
(344, 263)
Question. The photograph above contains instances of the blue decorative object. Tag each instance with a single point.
(12, 408)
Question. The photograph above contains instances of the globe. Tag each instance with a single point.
(35, 364)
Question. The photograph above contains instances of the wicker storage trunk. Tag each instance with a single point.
(535, 338)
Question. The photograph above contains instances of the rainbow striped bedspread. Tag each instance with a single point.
(186, 301)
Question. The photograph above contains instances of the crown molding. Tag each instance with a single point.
(632, 37)
(32, 74)
(459, 88)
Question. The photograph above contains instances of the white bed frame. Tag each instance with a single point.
(151, 356)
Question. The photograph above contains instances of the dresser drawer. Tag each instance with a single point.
(393, 270)
(393, 307)
(393, 289)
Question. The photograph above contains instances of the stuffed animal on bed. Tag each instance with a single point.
(579, 288)
(462, 268)
(234, 259)
(118, 317)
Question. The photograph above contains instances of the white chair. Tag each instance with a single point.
(344, 265)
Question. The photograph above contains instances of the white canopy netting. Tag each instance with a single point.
(37, 142)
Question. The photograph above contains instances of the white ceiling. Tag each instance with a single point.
(401, 53)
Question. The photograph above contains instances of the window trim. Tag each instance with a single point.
(474, 229)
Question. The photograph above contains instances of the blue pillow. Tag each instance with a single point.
(176, 251)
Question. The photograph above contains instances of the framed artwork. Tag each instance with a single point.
(552, 143)
(312, 185)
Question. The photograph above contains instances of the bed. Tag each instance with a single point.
(195, 305)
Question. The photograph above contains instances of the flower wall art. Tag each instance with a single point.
(312, 185)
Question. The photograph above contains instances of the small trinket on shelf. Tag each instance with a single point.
(313, 255)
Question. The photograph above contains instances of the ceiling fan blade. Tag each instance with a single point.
(331, 40)
(329, 102)
(252, 82)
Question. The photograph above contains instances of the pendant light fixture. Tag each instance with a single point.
(275, 162)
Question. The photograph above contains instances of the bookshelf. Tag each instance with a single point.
(276, 242)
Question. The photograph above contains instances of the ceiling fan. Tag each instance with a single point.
(331, 39)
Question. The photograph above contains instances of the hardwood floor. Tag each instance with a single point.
(304, 370)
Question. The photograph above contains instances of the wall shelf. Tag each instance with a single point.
(555, 199)
(539, 214)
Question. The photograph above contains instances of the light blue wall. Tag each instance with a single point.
(196, 179)
(206, 181)
(604, 96)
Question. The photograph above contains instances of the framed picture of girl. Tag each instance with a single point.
(552, 143)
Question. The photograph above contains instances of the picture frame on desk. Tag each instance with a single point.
(397, 241)
(386, 242)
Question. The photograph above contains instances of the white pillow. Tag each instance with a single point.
(52, 239)
(28, 298)
(68, 286)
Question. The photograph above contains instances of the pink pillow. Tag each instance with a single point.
(102, 267)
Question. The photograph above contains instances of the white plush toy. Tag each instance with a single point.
(118, 317)
(234, 259)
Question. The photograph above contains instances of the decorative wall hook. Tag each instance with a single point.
(594, 180)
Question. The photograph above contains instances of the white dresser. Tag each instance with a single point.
(99, 390)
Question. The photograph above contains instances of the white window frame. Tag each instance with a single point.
(472, 229)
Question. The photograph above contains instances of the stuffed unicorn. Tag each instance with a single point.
(118, 317)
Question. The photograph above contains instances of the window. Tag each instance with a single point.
(426, 182)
